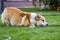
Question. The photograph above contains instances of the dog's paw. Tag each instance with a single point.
(32, 26)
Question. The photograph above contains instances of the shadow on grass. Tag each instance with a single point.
(2, 25)
(52, 15)
(53, 25)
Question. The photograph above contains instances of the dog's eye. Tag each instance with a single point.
(42, 20)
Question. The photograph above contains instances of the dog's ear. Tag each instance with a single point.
(37, 18)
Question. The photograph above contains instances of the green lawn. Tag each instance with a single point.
(51, 32)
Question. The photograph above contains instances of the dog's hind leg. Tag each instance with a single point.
(6, 21)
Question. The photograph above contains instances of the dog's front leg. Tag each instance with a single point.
(32, 25)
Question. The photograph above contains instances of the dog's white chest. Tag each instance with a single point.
(32, 18)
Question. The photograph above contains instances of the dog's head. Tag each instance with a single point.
(40, 20)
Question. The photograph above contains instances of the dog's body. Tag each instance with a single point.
(14, 16)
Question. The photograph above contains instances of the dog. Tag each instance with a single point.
(15, 16)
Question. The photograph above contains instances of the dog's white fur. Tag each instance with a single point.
(32, 19)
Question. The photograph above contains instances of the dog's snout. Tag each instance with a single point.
(44, 24)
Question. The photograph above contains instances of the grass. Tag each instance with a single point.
(51, 32)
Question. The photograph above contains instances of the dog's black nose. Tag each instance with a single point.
(46, 24)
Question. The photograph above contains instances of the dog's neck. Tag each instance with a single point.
(32, 18)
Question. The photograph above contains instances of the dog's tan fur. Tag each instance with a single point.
(15, 16)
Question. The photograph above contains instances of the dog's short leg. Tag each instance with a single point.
(32, 25)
